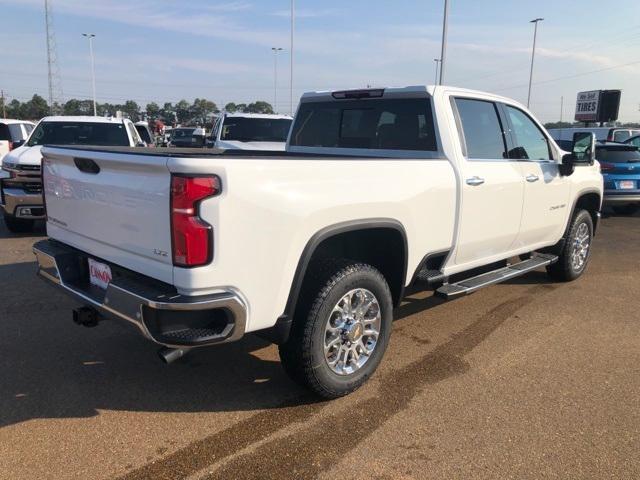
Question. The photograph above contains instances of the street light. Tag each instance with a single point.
(443, 52)
(533, 54)
(91, 36)
(275, 76)
(437, 60)
(293, 14)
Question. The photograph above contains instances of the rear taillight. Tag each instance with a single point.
(10, 146)
(605, 167)
(192, 238)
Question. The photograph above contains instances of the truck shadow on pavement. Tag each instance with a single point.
(39, 230)
(52, 368)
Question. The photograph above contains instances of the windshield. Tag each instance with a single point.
(79, 133)
(245, 129)
(182, 132)
(618, 154)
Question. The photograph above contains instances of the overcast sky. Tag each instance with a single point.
(165, 50)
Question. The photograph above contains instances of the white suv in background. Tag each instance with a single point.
(13, 133)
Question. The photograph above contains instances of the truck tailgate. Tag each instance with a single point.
(114, 206)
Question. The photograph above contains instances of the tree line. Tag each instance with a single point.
(198, 112)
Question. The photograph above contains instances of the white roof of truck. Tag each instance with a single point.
(83, 118)
(258, 115)
(11, 121)
(412, 91)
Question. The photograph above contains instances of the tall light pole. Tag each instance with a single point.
(275, 77)
(293, 24)
(437, 60)
(91, 36)
(443, 51)
(533, 54)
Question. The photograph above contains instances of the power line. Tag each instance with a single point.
(550, 80)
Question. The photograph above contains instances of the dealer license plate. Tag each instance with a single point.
(99, 274)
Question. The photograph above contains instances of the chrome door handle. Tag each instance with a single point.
(475, 181)
(532, 178)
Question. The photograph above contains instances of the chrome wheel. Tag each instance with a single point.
(352, 331)
(581, 243)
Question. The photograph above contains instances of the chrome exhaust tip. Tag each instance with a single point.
(170, 355)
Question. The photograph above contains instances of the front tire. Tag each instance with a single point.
(339, 337)
(18, 225)
(576, 251)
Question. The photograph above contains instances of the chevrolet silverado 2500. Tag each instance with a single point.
(380, 192)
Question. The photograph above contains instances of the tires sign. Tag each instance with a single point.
(587, 106)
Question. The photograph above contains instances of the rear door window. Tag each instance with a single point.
(386, 124)
(482, 129)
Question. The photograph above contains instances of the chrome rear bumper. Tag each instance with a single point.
(160, 314)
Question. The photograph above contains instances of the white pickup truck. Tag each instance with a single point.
(20, 184)
(381, 192)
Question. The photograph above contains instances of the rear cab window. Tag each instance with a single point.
(371, 124)
(617, 154)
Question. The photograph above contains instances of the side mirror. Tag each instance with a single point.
(584, 147)
(18, 143)
(583, 150)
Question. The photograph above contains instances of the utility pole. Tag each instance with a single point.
(443, 51)
(275, 77)
(91, 36)
(55, 87)
(561, 107)
(437, 60)
(4, 108)
(293, 15)
(533, 54)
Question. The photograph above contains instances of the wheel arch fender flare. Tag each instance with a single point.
(280, 331)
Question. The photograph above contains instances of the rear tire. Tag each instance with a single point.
(626, 209)
(18, 225)
(341, 332)
(576, 251)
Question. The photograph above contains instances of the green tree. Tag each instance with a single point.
(78, 107)
(241, 107)
(231, 107)
(259, 107)
(201, 111)
(132, 109)
(36, 108)
(153, 110)
(15, 109)
(183, 111)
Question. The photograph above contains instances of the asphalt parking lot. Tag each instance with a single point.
(528, 379)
